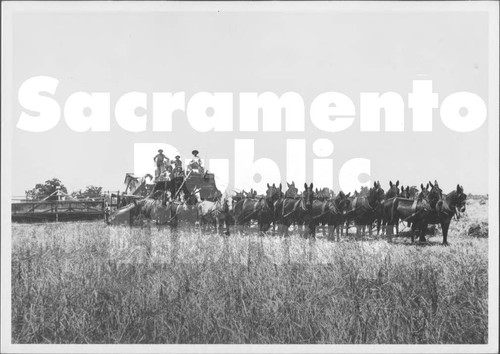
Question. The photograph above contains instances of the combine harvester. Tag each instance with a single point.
(162, 194)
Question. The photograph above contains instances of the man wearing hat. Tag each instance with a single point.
(196, 165)
(178, 172)
(161, 161)
(177, 162)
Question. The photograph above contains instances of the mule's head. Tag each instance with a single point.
(341, 201)
(403, 193)
(237, 196)
(424, 191)
(308, 195)
(412, 192)
(322, 194)
(435, 189)
(273, 193)
(435, 193)
(376, 194)
(461, 199)
(292, 191)
(365, 191)
(393, 190)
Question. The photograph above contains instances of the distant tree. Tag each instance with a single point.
(89, 192)
(42, 191)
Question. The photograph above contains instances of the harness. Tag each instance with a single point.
(415, 212)
(293, 209)
(354, 209)
(443, 208)
(335, 209)
(414, 205)
(255, 210)
(323, 212)
(216, 209)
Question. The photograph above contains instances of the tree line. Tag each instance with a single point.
(47, 191)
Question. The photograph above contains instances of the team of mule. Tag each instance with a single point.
(278, 211)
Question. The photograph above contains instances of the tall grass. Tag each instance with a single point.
(89, 283)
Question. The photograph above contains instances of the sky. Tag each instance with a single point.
(308, 52)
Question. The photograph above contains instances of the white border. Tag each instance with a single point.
(10, 8)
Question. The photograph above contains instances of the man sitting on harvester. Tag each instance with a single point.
(178, 172)
(195, 166)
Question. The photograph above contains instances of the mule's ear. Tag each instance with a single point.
(268, 186)
(305, 186)
(348, 194)
(427, 186)
(407, 188)
(436, 182)
(458, 188)
(375, 184)
(390, 183)
(422, 186)
(293, 183)
(280, 186)
(274, 185)
(288, 184)
(430, 184)
(397, 183)
(311, 186)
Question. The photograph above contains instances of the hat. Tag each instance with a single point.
(177, 157)
(160, 150)
(195, 152)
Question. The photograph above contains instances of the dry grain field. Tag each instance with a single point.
(91, 283)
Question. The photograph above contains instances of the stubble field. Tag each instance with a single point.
(91, 283)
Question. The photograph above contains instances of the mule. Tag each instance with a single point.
(260, 209)
(364, 210)
(409, 210)
(412, 194)
(435, 194)
(216, 213)
(292, 191)
(335, 214)
(388, 223)
(182, 215)
(448, 206)
(322, 195)
(290, 210)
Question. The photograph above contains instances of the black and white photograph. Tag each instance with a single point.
(250, 177)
